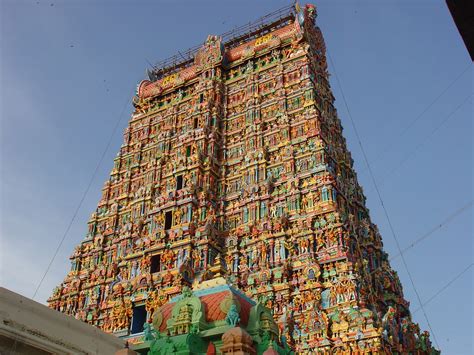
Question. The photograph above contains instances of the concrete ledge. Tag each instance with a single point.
(27, 322)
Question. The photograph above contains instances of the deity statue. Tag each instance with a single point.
(263, 253)
(122, 312)
(178, 213)
(160, 220)
(232, 318)
(167, 258)
(197, 258)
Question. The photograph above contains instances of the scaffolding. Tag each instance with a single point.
(230, 39)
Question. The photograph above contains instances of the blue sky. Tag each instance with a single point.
(69, 67)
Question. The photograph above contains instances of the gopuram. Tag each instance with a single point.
(213, 318)
(234, 164)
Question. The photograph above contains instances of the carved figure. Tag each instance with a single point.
(232, 318)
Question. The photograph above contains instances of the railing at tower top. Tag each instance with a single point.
(263, 25)
(231, 39)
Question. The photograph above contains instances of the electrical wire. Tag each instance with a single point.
(444, 287)
(381, 202)
(434, 229)
(450, 218)
(405, 130)
(86, 191)
(413, 151)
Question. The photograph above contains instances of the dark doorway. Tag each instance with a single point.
(168, 220)
(138, 319)
(155, 264)
(179, 182)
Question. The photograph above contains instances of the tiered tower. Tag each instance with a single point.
(234, 164)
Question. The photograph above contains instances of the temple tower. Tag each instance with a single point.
(234, 164)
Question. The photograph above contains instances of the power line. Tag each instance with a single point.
(434, 229)
(405, 130)
(413, 151)
(83, 196)
(429, 233)
(444, 287)
(381, 200)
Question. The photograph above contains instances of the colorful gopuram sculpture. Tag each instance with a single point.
(234, 164)
(213, 318)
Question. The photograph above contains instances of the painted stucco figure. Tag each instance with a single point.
(234, 165)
